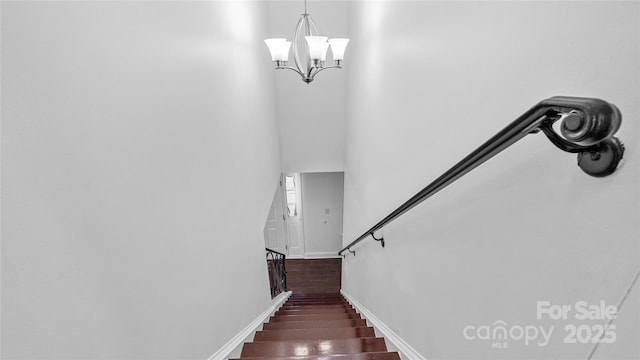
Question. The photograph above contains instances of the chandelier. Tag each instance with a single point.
(309, 49)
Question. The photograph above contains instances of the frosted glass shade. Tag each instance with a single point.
(338, 47)
(318, 46)
(284, 51)
(279, 48)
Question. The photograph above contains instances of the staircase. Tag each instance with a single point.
(319, 326)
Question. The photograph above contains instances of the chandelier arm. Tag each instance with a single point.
(291, 68)
(325, 68)
(313, 70)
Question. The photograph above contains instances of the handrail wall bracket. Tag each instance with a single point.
(381, 239)
(587, 127)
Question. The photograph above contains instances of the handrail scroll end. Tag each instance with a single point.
(587, 126)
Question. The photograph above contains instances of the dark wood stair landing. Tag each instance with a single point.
(317, 326)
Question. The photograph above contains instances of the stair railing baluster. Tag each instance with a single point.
(277, 272)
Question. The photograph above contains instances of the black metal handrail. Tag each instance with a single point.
(277, 272)
(587, 126)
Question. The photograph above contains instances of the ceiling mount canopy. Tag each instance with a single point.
(309, 49)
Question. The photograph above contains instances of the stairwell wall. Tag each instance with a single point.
(135, 178)
(428, 83)
(322, 204)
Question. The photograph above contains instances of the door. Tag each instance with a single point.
(274, 232)
(292, 203)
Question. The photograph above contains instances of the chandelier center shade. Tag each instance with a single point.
(309, 49)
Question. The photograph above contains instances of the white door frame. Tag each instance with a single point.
(274, 228)
(294, 224)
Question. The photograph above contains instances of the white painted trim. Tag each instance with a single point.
(405, 350)
(239, 338)
(322, 255)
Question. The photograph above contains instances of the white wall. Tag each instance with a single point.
(135, 180)
(322, 207)
(311, 116)
(436, 79)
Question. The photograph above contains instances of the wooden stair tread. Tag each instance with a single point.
(313, 347)
(316, 327)
(311, 317)
(318, 302)
(360, 356)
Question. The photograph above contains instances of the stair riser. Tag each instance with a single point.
(330, 306)
(361, 356)
(315, 311)
(311, 334)
(316, 299)
(314, 324)
(318, 310)
(321, 298)
(314, 317)
(308, 303)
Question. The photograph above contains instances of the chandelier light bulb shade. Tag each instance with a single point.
(308, 48)
(279, 49)
(338, 46)
(318, 46)
(284, 50)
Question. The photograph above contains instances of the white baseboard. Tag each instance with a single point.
(405, 350)
(239, 339)
(322, 255)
